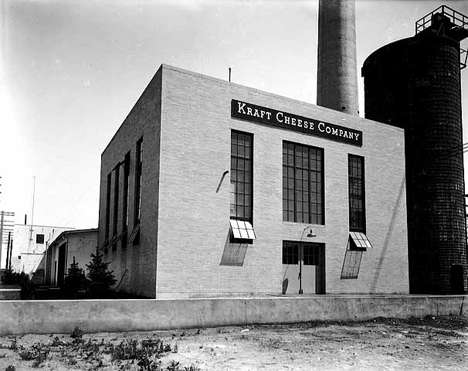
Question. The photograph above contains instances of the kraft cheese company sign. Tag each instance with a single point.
(284, 120)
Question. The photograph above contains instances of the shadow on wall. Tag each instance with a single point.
(233, 253)
(388, 237)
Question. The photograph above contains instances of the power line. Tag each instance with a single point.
(76, 203)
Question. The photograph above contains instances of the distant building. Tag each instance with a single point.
(211, 188)
(77, 244)
(29, 245)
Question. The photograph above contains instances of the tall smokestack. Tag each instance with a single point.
(336, 69)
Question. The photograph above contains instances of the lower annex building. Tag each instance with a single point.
(210, 188)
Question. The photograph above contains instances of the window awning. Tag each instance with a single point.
(242, 230)
(105, 245)
(360, 240)
(132, 236)
(114, 239)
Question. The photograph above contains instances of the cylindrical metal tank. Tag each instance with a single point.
(414, 83)
(337, 86)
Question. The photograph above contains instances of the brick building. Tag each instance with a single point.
(210, 188)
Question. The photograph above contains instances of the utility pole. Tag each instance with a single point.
(8, 254)
(1, 236)
(6, 228)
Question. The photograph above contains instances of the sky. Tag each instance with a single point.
(70, 72)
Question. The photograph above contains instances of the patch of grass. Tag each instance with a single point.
(56, 342)
(173, 366)
(37, 353)
(191, 368)
(145, 354)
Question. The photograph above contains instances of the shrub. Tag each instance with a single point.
(77, 334)
(38, 352)
(13, 278)
(100, 277)
(28, 289)
(75, 281)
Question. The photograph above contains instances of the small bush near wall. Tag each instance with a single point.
(12, 278)
(76, 284)
(28, 289)
(100, 277)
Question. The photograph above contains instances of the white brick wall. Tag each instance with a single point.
(187, 221)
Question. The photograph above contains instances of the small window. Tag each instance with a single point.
(242, 230)
(40, 238)
(290, 253)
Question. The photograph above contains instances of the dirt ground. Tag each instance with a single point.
(430, 343)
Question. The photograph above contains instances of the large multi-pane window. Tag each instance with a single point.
(241, 176)
(126, 196)
(134, 237)
(303, 194)
(357, 209)
(138, 178)
(108, 200)
(116, 200)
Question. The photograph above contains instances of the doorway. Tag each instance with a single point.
(61, 264)
(303, 268)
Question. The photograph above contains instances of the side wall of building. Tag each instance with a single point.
(135, 264)
(81, 246)
(77, 245)
(194, 197)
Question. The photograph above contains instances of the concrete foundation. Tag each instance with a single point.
(10, 294)
(23, 317)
